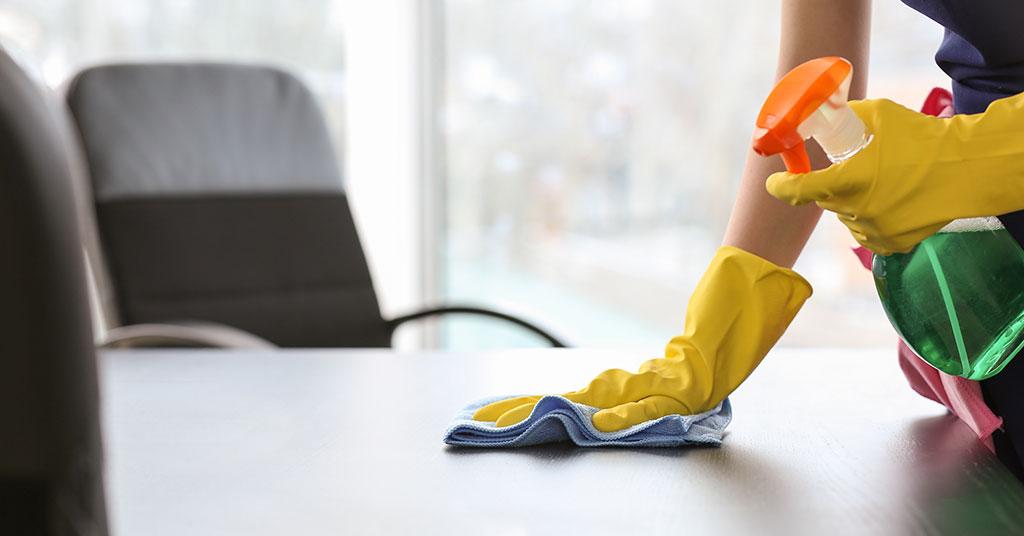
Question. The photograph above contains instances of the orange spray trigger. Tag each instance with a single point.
(809, 101)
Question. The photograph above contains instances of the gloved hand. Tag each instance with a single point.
(738, 311)
(918, 173)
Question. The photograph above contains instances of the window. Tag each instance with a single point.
(59, 37)
(593, 151)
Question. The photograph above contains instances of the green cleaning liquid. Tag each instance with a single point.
(957, 299)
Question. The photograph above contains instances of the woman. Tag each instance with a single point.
(918, 174)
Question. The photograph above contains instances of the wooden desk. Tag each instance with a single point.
(349, 442)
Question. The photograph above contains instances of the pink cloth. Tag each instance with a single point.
(961, 396)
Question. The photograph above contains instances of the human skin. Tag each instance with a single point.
(760, 223)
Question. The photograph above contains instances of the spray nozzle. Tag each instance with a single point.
(810, 102)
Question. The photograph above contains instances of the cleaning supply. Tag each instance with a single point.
(957, 298)
(556, 418)
(738, 311)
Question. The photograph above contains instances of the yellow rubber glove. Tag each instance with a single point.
(918, 173)
(738, 311)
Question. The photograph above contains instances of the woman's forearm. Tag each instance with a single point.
(759, 223)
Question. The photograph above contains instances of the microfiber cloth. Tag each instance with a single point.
(556, 419)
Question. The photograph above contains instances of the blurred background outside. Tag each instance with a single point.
(587, 151)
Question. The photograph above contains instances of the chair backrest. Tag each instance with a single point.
(219, 198)
(50, 449)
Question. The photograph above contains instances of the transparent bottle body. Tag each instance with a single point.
(957, 299)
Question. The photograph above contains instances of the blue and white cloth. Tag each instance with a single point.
(557, 419)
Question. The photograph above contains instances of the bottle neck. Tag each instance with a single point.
(842, 135)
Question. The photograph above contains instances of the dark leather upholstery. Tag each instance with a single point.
(219, 199)
(280, 266)
(155, 130)
(50, 450)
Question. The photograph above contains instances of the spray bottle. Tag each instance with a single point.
(957, 299)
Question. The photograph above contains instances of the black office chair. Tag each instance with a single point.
(51, 478)
(219, 200)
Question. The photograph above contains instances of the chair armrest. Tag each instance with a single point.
(198, 334)
(543, 333)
